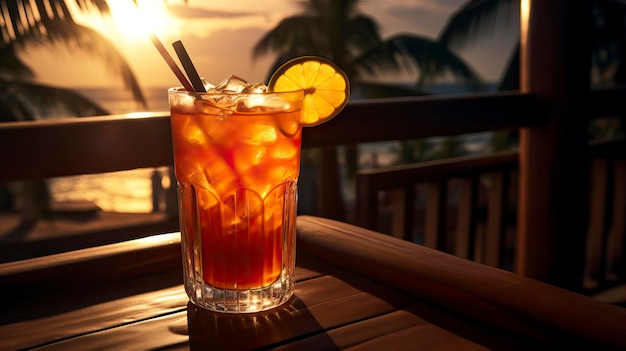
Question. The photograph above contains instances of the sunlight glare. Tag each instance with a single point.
(524, 25)
(139, 114)
(138, 21)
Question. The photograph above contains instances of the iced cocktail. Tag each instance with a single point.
(237, 160)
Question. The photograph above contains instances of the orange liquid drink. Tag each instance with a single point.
(237, 161)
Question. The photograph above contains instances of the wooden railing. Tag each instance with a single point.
(479, 221)
(463, 208)
(88, 145)
(111, 143)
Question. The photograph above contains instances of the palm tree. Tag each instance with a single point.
(27, 24)
(336, 30)
(50, 23)
(477, 18)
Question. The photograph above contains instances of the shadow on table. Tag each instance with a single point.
(271, 329)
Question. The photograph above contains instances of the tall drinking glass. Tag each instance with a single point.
(237, 161)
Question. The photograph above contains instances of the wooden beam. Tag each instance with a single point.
(555, 66)
(426, 116)
(87, 145)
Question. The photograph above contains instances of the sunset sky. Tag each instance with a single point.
(219, 37)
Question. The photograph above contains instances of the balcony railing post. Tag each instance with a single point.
(555, 65)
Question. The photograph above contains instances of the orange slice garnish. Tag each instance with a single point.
(326, 87)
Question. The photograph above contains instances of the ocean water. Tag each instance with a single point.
(126, 191)
(131, 191)
(120, 101)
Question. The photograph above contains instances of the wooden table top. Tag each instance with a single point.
(356, 289)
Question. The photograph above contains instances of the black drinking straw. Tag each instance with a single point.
(170, 62)
(188, 66)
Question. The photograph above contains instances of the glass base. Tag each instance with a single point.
(240, 301)
(237, 245)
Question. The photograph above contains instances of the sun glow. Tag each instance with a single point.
(138, 21)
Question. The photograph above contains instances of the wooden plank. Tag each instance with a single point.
(313, 310)
(86, 145)
(404, 175)
(496, 297)
(127, 259)
(420, 326)
(329, 195)
(616, 241)
(398, 207)
(434, 226)
(400, 330)
(101, 309)
(91, 317)
(466, 217)
(410, 211)
(90, 145)
(497, 210)
(595, 245)
(419, 117)
(366, 203)
(553, 155)
(369, 182)
(65, 316)
(61, 234)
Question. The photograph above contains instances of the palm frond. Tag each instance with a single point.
(49, 23)
(432, 59)
(336, 30)
(93, 43)
(100, 5)
(510, 79)
(280, 60)
(22, 101)
(333, 29)
(362, 34)
(436, 61)
(384, 58)
(295, 33)
(40, 18)
(477, 18)
(12, 66)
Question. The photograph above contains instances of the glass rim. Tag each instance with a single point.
(179, 90)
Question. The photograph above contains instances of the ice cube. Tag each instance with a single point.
(193, 133)
(235, 84)
(259, 134)
(284, 149)
(215, 106)
(193, 174)
(232, 84)
(265, 103)
(229, 100)
(184, 102)
(255, 88)
(247, 157)
(207, 85)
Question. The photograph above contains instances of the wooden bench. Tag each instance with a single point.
(485, 206)
(479, 209)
